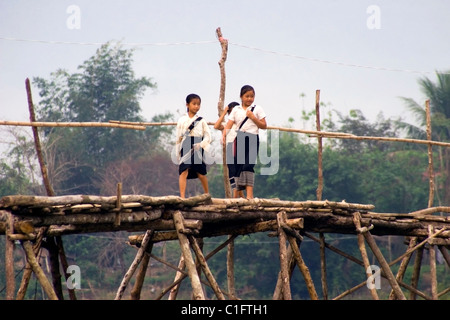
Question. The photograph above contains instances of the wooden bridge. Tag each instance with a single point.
(29, 219)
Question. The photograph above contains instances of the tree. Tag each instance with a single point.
(439, 96)
(105, 88)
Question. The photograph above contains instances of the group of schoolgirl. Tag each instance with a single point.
(239, 133)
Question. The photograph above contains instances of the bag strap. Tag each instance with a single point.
(192, 125)
(246, 118)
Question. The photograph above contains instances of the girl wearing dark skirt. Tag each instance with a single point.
(249, 118)
(193, 138)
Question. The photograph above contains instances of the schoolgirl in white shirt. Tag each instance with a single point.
(249, 118)
(190, 144)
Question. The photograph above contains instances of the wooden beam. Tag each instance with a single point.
(139, 256)
(40, 275)
(190, 264)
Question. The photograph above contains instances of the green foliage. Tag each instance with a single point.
(105, 89)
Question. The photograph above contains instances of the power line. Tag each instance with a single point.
(136, 44)
(161, 44)
(329, 61)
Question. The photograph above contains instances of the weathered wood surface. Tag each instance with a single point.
(206, 216)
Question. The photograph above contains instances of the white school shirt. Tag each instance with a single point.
(231, 134)
(201, 129)
(238, 114)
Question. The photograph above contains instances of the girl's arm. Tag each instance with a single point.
(260, 123)
(218, 125)
(206, 136)
(226, 129)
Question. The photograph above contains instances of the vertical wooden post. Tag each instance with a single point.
(362, 249)
(118, 204)
(28, 270)
(31, 258)
(54, 254)
(178, 277)
(202, 261)
(319, 149)
(64, 265)
(416, 272)
(135, 293)
(303, 269)
(319, 194)
(37, 142)
(278, 292)
(9, 258)
(285, 281)
(384, 266)
(220, 105)
(190, 264)
(230, 269)
(430, 156)
(323, 266)
(432, 255)
(404, 264)
(139, 256)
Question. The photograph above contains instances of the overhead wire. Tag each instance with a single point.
(294, 56)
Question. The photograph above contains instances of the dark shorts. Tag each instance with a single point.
(246, 149)
(194, 163)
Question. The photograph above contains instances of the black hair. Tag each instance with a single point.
(191, 97)
(233, 104)
(245, 89)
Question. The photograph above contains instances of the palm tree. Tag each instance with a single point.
(439, 96)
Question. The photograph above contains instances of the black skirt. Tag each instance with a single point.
(246, 148)
(194, 163)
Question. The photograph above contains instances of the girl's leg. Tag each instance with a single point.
(182, 183)
(238, 193)
(204, 180)
(249, 190)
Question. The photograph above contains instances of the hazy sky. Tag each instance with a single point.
(359, 54)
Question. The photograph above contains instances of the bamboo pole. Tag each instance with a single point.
(433, 276)
(202, 261)
(71, 124)
(184, 274)
(430, 156)
(311, 133)
(362, 249)
(319, 148)
(135, 293)
(65, 265)
(31, 258)
(416, 272)
(139, 256)
(9, 258)
(190, 264)
(230, 269)
(384, 266)
(220, 105)
(323, 266)
(404, 264)
(118, 204)
(28, 270)
(284, 265)
(303, 269)
(179, 276)
(278, 292)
